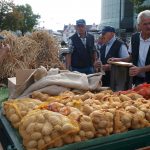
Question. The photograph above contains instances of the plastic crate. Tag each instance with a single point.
(130, 140)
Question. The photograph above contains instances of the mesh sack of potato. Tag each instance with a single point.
(87, 130)
(16, 109)
(42, 129)
(122, 121)
(143, 105)
(90, 105)
(103, 122)
(138, 117)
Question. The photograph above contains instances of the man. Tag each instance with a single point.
(4, 49)
(82, 51)
(140, 50)
(113, 47)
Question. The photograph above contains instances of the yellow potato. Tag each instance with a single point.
(32, 144)
(47, 129)
(41, 143)
(30, 128)
(36, 136)
(14, 118)
(38, 127)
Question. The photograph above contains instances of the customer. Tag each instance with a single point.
(140, 50)
(4, 49)
(113, 47)
(100, 42)
(82, 51)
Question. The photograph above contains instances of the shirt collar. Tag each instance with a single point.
(111, 41)
(80, 36)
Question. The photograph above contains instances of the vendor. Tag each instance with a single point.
(140, 50)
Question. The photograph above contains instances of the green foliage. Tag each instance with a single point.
(5, 8)
(20, 17)
(138, 5)
(3, 94)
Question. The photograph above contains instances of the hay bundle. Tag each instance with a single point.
(29, 52)
(48, 54)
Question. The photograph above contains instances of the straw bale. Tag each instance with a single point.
(30, 52)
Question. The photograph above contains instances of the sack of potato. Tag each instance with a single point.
(42, 129)
(16, 109)
(103, 122)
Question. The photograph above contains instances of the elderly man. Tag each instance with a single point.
(82, 51)
(140, 50)
(113, 47)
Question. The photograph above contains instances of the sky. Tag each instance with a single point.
(57, 13)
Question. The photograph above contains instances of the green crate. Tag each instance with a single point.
(130, 140)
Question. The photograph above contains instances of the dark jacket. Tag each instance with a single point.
(82, 56)
(135, 43)
(113, 52)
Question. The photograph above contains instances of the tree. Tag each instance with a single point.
(5, 8)
(28, 20)
(20, 17)
(12, 20)
(138, 5)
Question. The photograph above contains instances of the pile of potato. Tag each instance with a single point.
(79, 117)
(41, 129)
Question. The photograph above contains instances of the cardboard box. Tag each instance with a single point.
(21, 81)
(11, 85)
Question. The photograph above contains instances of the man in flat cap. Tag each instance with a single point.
(82, 51)
(113, 47)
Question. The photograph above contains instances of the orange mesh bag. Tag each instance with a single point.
(16, 109)
(103, 122)
(42, 129)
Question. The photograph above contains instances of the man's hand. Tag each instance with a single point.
(106, 67)
(97, 64)
(113, 59)
(133, 71)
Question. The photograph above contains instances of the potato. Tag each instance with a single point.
(14, 118)
(40, 118)
(36, 136)
(41, 143)
(32, 144)
(28, 120)
(47, 129)
(38, 127)
(30, 128)
(47, 139)
(67, 127)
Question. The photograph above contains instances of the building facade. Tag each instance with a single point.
(117, 13)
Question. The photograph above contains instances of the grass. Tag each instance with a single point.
(3, 94)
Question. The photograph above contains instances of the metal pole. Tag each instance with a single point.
(120, 19)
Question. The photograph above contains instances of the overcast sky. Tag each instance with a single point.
(55, 13)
